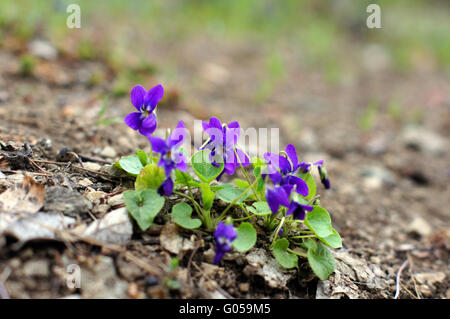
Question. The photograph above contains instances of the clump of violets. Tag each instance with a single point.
(282, 190)
(224, 235)
(145, 102)
(222, 142)
(171, 157)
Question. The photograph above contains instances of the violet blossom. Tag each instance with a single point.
(145, 102)
(224, 235)
(170, 155)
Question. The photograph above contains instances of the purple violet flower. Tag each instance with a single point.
(224, 235)
(145, 102)
(171, 157)
(324, 177)
(222, 143)
(278, 195)
(298, 210)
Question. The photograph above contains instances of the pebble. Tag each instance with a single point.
(430, 277)
(95, 196)
(85, 182)
(37, 267)
(425, 290)
(43, 49)
(244, 287)
(92, 166)
(423, 140)
(374, 177)
(419, 226)
(116, 200)
(108, 151)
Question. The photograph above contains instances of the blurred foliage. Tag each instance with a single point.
(320, 32)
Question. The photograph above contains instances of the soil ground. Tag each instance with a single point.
(389, 198)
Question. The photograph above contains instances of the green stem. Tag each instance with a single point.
(297, 253)
(304, 236)
(197, 207)
(244, 172)
(235, 201)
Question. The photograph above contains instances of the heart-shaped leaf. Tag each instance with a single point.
(260, 209)
(319, 221)
(181, 215)
(143, 206)
(202, 166)
(320, 259)
(246, 237)
(151, 176)
(333, 240)
(228, 195)
(285, 259)
(130, 164)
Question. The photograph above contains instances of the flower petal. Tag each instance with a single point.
(153, 96)
(292, 154)
(245, 161)
(133, 120)
(166, 188)
(177, 136)
(148, 125)
(158, 144)
(301, 186)
(137, 96)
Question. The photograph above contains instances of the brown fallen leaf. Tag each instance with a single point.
(26, 197)
(20, 201)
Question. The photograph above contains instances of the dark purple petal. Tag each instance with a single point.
(214, 122)
(292, 154)
(301, 186)
(148, 125)
(137, 96)
(230, 167)
(158, 144)
(304, 167)
(133, 120)
(166, 188)
(218, 256)
(277, 161)
(276, 197)
(318, 162)
(153, 96)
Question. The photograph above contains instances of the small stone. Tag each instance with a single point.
(15, 263)
(430, 278)
(420, 227)
(95, 196)
(425, 290)
(170, 239)
(101, 209)
(374, 177)
(66, 201)
(244, 287)
(37, 267)
(85, 182)
(43, 49)
(115, 227)
(116, 200)
(92, 166)
(423, 140)
(108, 151)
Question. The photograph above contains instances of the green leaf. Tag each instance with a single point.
(260, 185)
(215, 188)
(333, 240)
(228, 195)
(143, 157)
(143, 206)
(285, 259)
(309, 180)
(260, 208)
(151, 176)
(320, 259)
(181, 215)
(207, 196)
(319, 221)
(246, 238)
(185, 179)
(203, 168)
(241, 183)
(130, 164)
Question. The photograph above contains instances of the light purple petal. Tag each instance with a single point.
(153, 96)
(232, 133)
(133, 120)
(137, 96)
(180, 160)
(148, 125)
(177, 136)
(158, 144)
(318, 162)
(245, 161)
